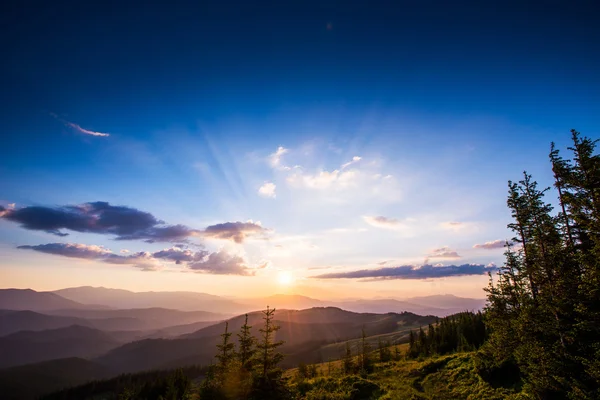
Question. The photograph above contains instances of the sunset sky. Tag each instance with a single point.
(320, 148)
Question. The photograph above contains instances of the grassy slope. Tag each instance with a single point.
(446, 377)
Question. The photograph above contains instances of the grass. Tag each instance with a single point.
(438, 377)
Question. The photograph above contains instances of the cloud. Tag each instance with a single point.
(142, 260)
(355, 159)
(494, 244)
(443, 252)
(85, 131)
(79, 129)
(99, 217)
(412, 272)
(236, 231)
(275, 158)
(382, 222)
(220, 263)
(267, 190)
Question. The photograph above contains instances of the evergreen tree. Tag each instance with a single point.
(246, 346)
(544, 307)
(269, 383)
(226, 350)
(348, 361)
(364, 360)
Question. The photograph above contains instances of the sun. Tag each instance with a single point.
(285, 278)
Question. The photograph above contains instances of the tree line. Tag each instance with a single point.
(543, 308)
(464, 331)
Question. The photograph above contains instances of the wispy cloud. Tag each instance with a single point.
(412, 272)
(218, 263)
(444, 253)
(267, 190)
(79, 129)
(494, 244)
(275, 158)
(355, 159)
(383, 222)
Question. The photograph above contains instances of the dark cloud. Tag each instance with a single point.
(236, 231)
(221, 263)
(143, 260)
(495, 244)
(99, 217)
(412, 272)
(180, 256)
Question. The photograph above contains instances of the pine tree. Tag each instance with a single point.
(544, 308)
(246, 346)
(226, 350)
(364, 354)
(348, 361)
(269, 383)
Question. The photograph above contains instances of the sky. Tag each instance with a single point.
(334, 149)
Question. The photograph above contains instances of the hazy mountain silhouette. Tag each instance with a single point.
(33, 380)
(304, 331)
(449, 301)
(27, 299)
(14, 321)
(156, 318)
(26, 347)
(124, 299)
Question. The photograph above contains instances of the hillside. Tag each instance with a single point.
(33, 380)
(26, 347)
(304, 333)
(27, 299)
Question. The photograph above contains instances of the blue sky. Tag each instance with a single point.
(381, 136)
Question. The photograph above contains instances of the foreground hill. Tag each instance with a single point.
(27, 299)
(305, 332)
(124, 299)
(26, 347)
(33, 380)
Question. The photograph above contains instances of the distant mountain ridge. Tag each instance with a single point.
(98, 302)
(28, 299)
(125, 299)
(26, 347)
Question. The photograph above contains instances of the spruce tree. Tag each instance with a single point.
(246, 346)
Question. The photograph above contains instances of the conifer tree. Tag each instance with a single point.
(246, 346)
(226, 349)
(544, 307)
(348, 361)
(364, 359)
(269, 383)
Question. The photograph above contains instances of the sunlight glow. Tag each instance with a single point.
(285, 278)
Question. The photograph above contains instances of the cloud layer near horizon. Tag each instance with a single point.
(125, 223)
(218, 263)
(427, 271)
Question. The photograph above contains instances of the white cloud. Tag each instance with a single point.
(355, 159)
(267, 190)
(494, 244)
(78, 128)
(275, 158)
(382, 222)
